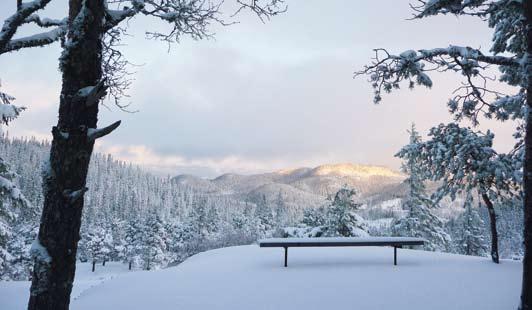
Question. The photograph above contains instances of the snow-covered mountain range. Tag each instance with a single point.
(320, 181)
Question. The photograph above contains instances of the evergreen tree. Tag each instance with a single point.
(264, 216)
(281, 211)
(197, 218)
(510, 52)
(419, 220)
(212, 221)
(132, 243)
(95, 244)
(470, 238)
(341, 219)
(154, 243)
(12, 204)
(314, 217)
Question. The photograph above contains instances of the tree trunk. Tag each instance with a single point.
(130, 265)
(64, 179)
(526, 291)
(93, 266)
(103, 263)
(493, 229)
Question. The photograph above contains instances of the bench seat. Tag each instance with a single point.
(395, 242)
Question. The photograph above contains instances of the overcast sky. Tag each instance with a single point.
(260, 96)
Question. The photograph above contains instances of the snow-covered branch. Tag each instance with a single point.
(464, 160)
(465, 7)
(45, 22)
(92, 94)
(73, 196)
(388, 71)
(8, 111)
(95, 133)
(467, 53)
(40, 39)
(12, 23)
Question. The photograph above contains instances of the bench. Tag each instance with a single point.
(395, 242)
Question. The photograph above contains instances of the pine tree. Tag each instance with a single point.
(510, 52)
(314, 217)
(264, 215)
(95, 244)
(281, 211)
(212, 221)
(419, 220)
(470, 238)
(132, 243)
(197, 217)
(154, 243)
(341, 217)
(12, 204)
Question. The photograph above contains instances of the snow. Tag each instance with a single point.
(339, 239)
(249, 277)
(14, 294)
(39, 252)
(8, 111)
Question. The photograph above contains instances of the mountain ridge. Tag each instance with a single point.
(314, 184)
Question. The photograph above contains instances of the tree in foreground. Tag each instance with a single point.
(511, 52)
(419, 221)
(91, 67)
(464, 161)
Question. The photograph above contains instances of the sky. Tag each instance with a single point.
(259, 96)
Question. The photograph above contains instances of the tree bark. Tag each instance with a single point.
(526, 291)
(69, 160)
(493, 228)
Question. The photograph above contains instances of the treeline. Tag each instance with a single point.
(150, 221)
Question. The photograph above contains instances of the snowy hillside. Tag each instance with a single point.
(306, 187)
(249, 277)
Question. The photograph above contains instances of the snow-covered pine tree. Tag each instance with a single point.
(132, 248)
(341, 218)
(281, 211)
(464, 161)
(314, 217)
(419, 221)
(470, 238)
(212, 224)
(108, 245)
(264, 216)
(13, 245)
(95, 244)
(154, 243)
(511, 52)
(197, 217)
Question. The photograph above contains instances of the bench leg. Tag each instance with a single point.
(286, 256)
(395, 256)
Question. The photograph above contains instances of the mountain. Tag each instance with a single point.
(300, 186)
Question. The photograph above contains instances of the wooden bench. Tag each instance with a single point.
(395, 242)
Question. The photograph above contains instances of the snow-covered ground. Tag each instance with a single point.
(249, 277)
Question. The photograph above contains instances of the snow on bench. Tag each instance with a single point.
(395, 242)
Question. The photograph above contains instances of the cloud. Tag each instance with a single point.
(261, 96)
(205, 167)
